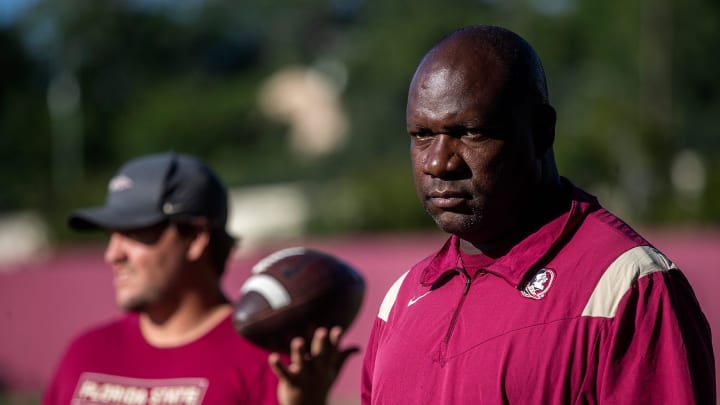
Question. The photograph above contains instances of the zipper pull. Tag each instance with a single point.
(468, 280)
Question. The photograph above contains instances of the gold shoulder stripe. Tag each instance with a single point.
(620, 276)
(390, 297)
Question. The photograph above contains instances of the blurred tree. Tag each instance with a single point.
(634, 84)
(24, 127)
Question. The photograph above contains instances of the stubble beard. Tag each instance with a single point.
(465, 225)
(134, 305)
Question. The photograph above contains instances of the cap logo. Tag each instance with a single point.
(170, 208)
(120, 183)
(538, 287)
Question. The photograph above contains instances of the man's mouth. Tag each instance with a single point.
(446, 199)
(121, 275)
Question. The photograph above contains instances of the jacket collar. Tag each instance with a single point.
(522, 258)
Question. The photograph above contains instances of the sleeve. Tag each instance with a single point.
(369, 362)
(63, 382)
(51, 395)
(262, 383)
(268, 395)
(375, 335)
(658, 348)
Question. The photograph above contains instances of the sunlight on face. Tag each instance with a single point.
(147, 265)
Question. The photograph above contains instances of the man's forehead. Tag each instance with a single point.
(442, 85)
(459, 70)
(435, 80)
(456, 87)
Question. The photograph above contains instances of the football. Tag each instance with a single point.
(294, 291)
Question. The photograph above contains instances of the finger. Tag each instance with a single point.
(277, 366)
(297, 352)
(344, 355)
(320, 343)
(335, 334)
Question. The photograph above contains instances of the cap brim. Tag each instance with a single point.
(109, 218)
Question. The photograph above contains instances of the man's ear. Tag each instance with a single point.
(544, 128)
(198, 243)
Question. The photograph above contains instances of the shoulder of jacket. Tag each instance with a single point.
(390, 297)
(621, 275)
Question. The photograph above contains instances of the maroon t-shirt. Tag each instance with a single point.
(113, 364)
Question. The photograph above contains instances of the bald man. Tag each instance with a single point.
(539, 295)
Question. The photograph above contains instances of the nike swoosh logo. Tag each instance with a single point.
(418, 298)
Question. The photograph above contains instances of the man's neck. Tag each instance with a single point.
(555, 201)
(186, 323)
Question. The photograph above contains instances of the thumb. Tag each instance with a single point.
(344, 355)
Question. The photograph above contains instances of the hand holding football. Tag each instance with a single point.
(294, 291)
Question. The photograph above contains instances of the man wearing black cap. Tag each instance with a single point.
(166, 216)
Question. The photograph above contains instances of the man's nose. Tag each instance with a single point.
(442, 157)
(114, 252)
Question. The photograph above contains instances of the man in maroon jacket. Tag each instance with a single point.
(539, 295)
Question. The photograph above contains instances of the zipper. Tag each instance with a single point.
(451, 327)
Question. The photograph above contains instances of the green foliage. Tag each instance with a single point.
(375, 198)
(29, 398)
(634, 83)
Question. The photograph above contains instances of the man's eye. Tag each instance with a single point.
(481, 134)
(420, 134)
(474, 132)
(147, 236)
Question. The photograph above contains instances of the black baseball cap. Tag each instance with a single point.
(151, 189)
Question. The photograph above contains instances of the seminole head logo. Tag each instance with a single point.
(539, 285)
